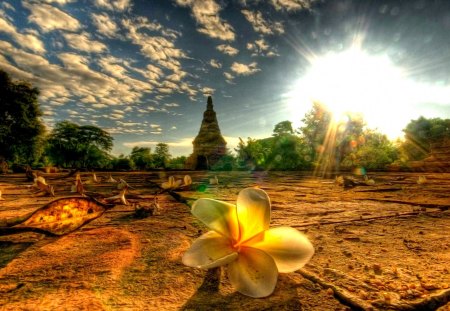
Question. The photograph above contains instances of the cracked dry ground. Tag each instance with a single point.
(382, 247)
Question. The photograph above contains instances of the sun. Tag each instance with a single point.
(357, 82)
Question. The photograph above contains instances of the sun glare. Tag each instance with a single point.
(353, 81)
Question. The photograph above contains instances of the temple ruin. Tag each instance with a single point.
(209, 145)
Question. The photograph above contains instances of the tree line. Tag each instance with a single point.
(321, 141)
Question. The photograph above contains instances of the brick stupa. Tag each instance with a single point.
(209, 145)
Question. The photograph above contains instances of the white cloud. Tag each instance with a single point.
(261, 25)
(172, 105)
(8, 6)
(206, 13)
(229, 77)
(215, 63)
(243, 69)
(207, 90)
(74, 79)
(118, 111)
(261, 48)
(115, 116)
(128, 124)
(110, 65)
(152, 73)
(49, 112)
(99, 105)
(29, 41)
(159, 49)
(105, 25)
(83, 42)
(291, 5)
(227, 49)
(176, 77)
(117, 5)
(49, 18)
(62, 2)
(176, 148)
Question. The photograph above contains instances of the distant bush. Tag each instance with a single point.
(226, 163)
(122, 164)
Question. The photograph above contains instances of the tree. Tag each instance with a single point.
(282, 151)
(142, 157)
(178, 162)
(122, 163)
(72, 145)
(420, 134)
(21, 129)
(372, 150)
(287, 151)
(314, 130)
(251, 155)
(162, 155)
(328, 139)
(282, 128)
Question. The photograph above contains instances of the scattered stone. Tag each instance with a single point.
(347, 253)
(377, 269)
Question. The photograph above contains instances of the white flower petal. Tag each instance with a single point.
(187, 180)
(218, 216)
(209, 251)
(253, 273)
(253, 212)
(290, 249)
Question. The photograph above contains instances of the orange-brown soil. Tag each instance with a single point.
(380, 247)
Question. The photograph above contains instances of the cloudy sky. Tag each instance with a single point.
(142, 69)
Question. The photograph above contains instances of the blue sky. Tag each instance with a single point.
(142, 69)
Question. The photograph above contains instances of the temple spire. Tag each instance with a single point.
(209, 145)
(209, 105)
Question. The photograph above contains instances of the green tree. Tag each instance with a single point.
(420, 134)
(328, 139)
(372, 151)
(142, 157)
(162, 156)
(287, 151)
(122, 163)
(314, 130)
(72, 145)
(282, 151)
(21, 129)
(225, 163)
(283, 128)
(251, 155)
(178, 162)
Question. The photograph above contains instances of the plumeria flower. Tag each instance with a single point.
(368, 181)
(421, 180)
(242, 241)
(78, 186)
(93, 179)
(111, 179)
(155, 206)
(187, 181)
(120, 197)
(171, 183)
(41, 184)
(214, 181)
